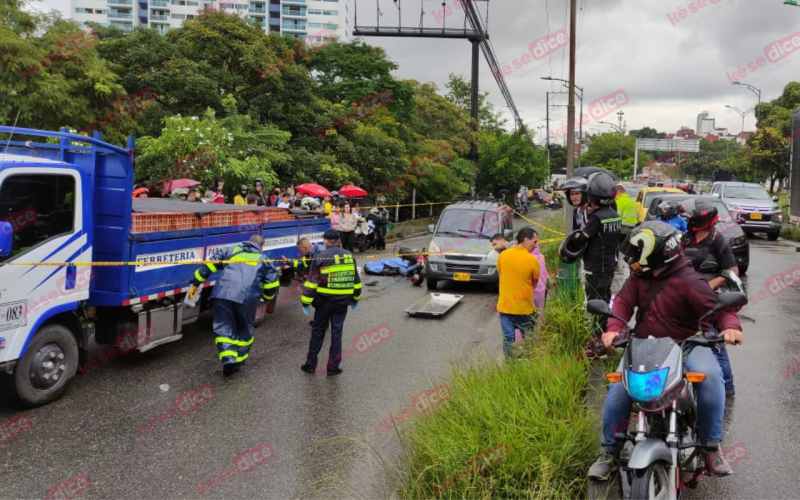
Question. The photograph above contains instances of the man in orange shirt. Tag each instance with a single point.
(519, 272)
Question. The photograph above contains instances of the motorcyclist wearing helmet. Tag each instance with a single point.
(575, 190)
(669, 212)
(263, 201)
(600, 238)
(670, 297)
(241, 198)
(380, 217)
(710, 253)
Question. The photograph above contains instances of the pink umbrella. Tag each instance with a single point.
(171, 186)
(313, 190)
(352, 191)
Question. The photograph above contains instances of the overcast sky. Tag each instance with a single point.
(672, 64)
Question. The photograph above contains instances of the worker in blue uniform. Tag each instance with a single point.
(333, 284)
(244, 277)
(308, 252)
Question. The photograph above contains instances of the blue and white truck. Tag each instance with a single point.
(66, 216)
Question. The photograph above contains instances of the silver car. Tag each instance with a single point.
(761, 213)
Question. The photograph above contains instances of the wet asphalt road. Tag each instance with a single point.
(763, 416)
(319, 428)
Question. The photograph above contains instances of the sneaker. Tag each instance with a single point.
(334, 371)
(604, 466)
(308, 368)
(716, 462)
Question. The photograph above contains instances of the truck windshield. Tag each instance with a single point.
(469, 222)
(38, 207)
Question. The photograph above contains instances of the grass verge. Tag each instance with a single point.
(533, 407)
(790, 233)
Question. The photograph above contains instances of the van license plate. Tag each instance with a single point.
(755, 216)
(461, 276)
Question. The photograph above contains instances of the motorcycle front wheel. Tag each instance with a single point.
(651, 483)
(361, 243)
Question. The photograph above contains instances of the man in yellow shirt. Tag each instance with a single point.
(519, 272)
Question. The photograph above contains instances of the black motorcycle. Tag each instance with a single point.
(521, 208)
(666, 446)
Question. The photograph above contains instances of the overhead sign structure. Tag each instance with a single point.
(683, 146)
(668, 145)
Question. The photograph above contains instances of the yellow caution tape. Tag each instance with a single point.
(199, 262)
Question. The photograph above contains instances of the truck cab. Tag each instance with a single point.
(79, 257)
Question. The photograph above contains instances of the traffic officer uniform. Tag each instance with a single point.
(302, 264)
(235, 297)
(333, 283)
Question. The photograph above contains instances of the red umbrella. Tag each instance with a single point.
(352, 191)
(171, 186)
(313, 190)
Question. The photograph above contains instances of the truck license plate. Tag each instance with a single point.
(461, 276)
(13, 315)
(755, 216)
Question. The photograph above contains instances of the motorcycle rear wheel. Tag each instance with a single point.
(651, 483)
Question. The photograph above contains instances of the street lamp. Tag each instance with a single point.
(741, 113)
(754, 90)
(580, 133)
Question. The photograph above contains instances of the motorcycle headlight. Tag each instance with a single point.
(645, 387)
(740, 240)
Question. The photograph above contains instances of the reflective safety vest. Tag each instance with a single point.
(333, 276)
(303, 262)
(243, 278)
(626, 208)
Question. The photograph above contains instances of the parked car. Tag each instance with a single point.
(729, 225)
(761, 212)
(460, 249)
(645, 196)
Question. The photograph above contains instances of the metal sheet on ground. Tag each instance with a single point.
(434, 305)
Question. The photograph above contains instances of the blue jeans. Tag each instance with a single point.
(509, 322)
(724, 363)
(710, 402)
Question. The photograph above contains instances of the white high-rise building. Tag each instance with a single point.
(705, 124)
(296, 18)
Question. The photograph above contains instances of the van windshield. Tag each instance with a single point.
(468, 223)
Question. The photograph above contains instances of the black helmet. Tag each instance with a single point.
(651, 245)
(669, 209)
(571, 249)
(602, 189)
(577, 184)
(702, 214)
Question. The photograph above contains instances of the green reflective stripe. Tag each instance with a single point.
(211, 267)
(337, 268)
(306, 300)
(225, 354)
(310, 285)
(226, 340)
(269, 297)
(357, 286)
(336, 259)
(334, 291)
(614, 219)
(270, 285)
(252, 257)
(295, 263)
(199, 277)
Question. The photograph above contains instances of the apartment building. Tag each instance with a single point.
(295, 18)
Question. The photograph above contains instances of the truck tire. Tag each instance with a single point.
(45, 372)
(773, 236)
(432, 284)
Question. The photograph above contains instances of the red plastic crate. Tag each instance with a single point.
(219, 219)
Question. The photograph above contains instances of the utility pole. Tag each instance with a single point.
(573, 9)
(548, 122)
(620, 114)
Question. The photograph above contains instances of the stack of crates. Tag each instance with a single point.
(155, 222)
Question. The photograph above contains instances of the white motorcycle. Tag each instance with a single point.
(365, 235)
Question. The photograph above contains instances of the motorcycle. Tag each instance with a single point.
(419, 261)
(521, 207)
(666, 445)
(365, 235)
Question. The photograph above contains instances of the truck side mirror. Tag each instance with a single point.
(6, 238)
(508, 234)
(775, 198)
(431, 228)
